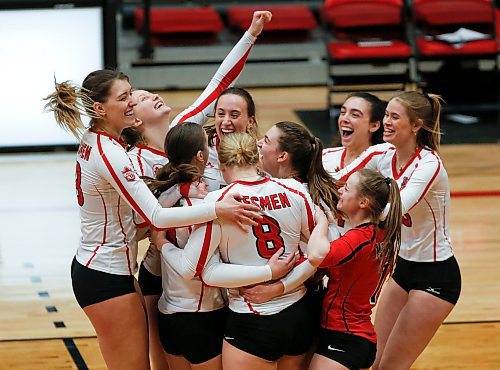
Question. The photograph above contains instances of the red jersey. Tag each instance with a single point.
(354, 283)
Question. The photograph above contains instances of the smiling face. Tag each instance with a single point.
(270, 153)
(354, 123)
(350, 201)
(231, 115)
(118, 109)
(150, 108)
(398, 128)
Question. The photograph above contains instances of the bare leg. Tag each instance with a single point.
(416, 325)
(212, 364)
(177, 362)
(320, 362)
(236, 359)
(391, 301)
(121, 328)
(158, 361)
(292, 362)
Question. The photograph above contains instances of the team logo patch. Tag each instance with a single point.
(156, 169)
(405, 181)
(129, 174)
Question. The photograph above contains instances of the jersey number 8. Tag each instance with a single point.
(78, 184)
(268, 235)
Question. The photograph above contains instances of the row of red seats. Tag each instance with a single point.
(171, 20)
(408, 33)
(430, 18)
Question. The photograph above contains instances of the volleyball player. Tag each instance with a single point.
(108, 189)
(358, 264)
(426, 283)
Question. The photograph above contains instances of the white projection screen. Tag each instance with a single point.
(35, 46)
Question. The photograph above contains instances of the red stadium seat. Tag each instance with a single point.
(435, 17)
(371, 32)
(285, 17)
(181, 20)
(458, 34)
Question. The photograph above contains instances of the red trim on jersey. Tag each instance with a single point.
(310, 218)
(141, 225)
(204, 249)
(190, 227)
(395, 173)
(120, 185)
(225, 191)
(139, 159)
(252, 310)
(118, 140)
(331, 150)
(361, 165)
(250, 183)
(184, 189)
(201, 295)
(342, 158)
(124, 237)
(444, 218)
(104, 232)
(435, 230)
(152, 150)
(224, 84)
(433, 177)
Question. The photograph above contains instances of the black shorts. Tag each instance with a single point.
(92, 286)
(441, 279)
(195, 335)
(150, 284)
(314, 296)
(289, 332)
(352, 351)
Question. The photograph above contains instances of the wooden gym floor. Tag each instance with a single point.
(42, 327)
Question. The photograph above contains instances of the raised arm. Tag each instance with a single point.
(226, 75)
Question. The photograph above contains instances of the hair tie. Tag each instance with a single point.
(388, 181)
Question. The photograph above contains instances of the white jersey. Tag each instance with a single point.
(108, 191)
(333, 159)
(288, 216)
(425, 195)
(368, 159)
(212, 176)
(148, 161)
(180, 294)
